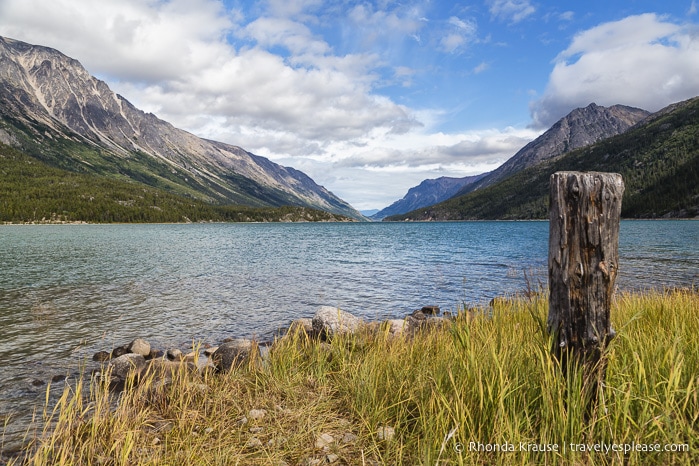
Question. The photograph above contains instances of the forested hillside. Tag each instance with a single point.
(658, 159)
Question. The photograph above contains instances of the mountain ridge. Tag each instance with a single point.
(658, 159)
(53, 109)
(428, 192)
(579, 128)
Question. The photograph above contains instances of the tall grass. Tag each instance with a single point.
(463, 393)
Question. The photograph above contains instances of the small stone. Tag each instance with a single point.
(253, 442)
(331, 458)
(385, 433)
(324, 441)
(208, 430)
(242, 421)
(349, 437)
(257, 414)
(256, 430)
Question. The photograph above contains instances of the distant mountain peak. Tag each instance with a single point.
(580, 128)
(428, 192)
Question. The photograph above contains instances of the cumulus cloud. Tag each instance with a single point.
(642, 61)
(273, 85)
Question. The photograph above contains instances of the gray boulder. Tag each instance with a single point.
(330, 321)
(139, 346)
(127, 364)
(233, 353)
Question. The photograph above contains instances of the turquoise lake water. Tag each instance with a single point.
(68, 291)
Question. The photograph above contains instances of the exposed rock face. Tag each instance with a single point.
(329, 321)
(47, 98)
(427, 193)
(581, 127)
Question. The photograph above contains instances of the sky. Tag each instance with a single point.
(370, 98)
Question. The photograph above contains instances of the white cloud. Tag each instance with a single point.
(220, 75)
(461, 33)
(512, 11)
(643, 61)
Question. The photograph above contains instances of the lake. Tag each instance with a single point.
(67, 291)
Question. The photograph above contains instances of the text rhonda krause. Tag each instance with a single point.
(625, 448)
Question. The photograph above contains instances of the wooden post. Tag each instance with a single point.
(583, 265)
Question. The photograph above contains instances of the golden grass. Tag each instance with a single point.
(487, 382)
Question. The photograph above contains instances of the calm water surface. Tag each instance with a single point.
(69, 291)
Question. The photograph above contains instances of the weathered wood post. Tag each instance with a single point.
(583, 265)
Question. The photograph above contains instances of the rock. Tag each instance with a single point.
(418, 315)
(331, 458)
(257, 414)
(101, 356)
(173, 354)
(435, 322)
(209, 351)
(257, 430)
(349, 438)
(154, 353)
(385, 433)
(430, 310)
(323, 441)
(139, 346)
(127, 364)
(253, 443)
(305, 324)
(233, 354)
(330, 321)
(119, 351)
(397, 327)
(36, 382)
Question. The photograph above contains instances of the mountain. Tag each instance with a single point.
(52, 109)
(427, 193)
(580, 128)
(658, 159)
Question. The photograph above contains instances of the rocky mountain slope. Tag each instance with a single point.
(427, 193)
(580, 128)
(54, 110)
(658, 159)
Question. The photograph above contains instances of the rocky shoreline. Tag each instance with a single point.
(139, 359)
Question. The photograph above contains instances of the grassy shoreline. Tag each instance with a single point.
(464, 393)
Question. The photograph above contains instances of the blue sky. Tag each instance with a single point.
(371, 97)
